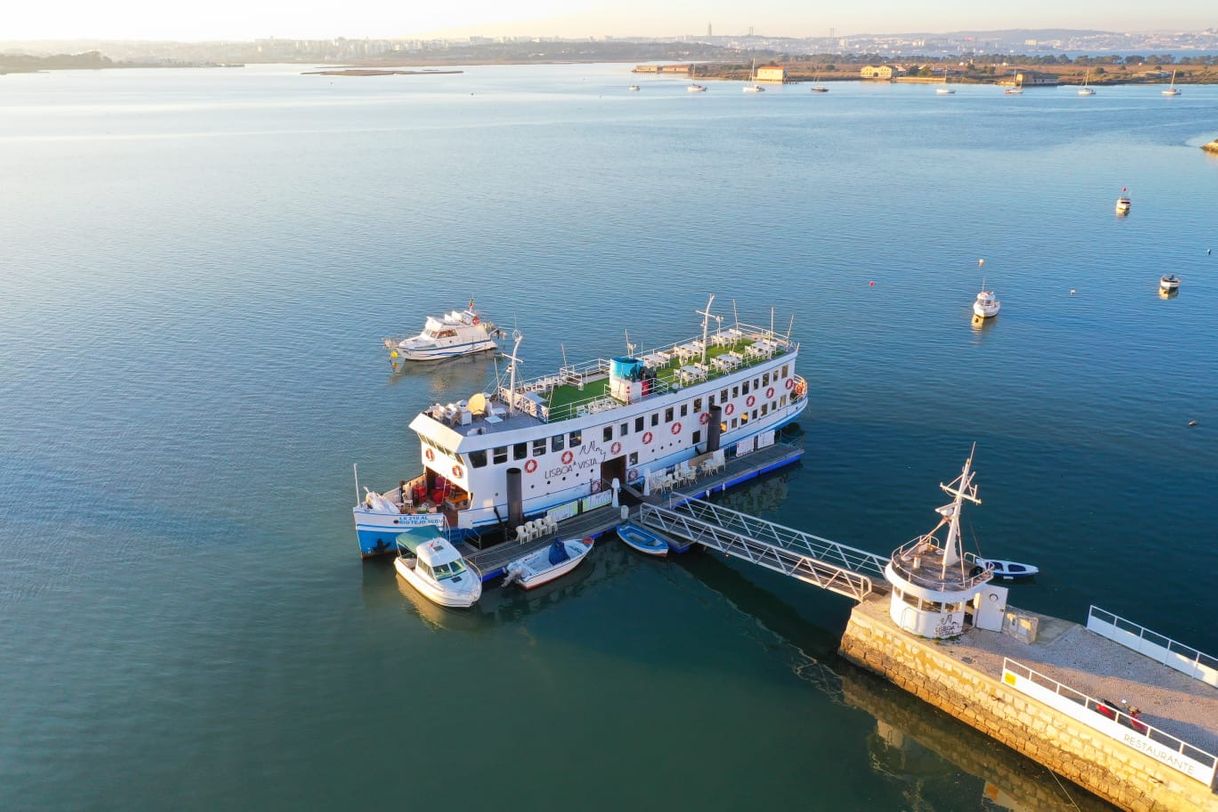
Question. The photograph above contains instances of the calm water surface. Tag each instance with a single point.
(198, 267)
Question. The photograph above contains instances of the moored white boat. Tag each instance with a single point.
(945, 90)
(429, 563)
(550, 562)
(1172, 90)
(1169, 282)
(642, 540)
(753, 87)
(1016, 88)
(696, 88)
(1086, 89)
(634, 88)
(986, 305)
(461, 332)
(1008, 570)
(1123, 203)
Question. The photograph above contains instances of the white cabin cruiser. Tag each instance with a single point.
(550, 445)
(1124, 204)
(429, 563)
(461, 332)
(987, 305)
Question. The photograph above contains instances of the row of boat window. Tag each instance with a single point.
(574, 439)
(929, 606)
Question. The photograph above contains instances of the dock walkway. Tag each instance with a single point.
(1067, 652)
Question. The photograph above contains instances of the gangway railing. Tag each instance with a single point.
(1163, 649)
(780, 549)
(822, 549)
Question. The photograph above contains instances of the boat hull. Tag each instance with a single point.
(985, 312)
(375, 532)
(1169, 285)
(440, 597)
(642, 541)
(440, 353)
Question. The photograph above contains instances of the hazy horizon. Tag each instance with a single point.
(311, 19)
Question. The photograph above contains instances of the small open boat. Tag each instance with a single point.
(435, 569)
(548, 563)
(1009, 570)
(1169, 282)
(642, 539)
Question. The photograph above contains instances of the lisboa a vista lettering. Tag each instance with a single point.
(583, 458)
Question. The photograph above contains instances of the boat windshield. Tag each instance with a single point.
(449, 570)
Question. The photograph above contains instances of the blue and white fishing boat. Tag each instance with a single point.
(534, 447)
(461, 332)
(548, 563)
(642, 539)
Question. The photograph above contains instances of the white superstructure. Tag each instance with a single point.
(566, 436)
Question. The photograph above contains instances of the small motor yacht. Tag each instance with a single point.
(696, 88)
(550, 562)
(1169, 282)
(986, 305)
(461, 332)
(642, 540)
(1123, 203)
(428, 562)
(634, 88)
(1008, 570)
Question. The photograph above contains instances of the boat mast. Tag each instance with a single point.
(515, 359)
(962, 489)
(706, 317)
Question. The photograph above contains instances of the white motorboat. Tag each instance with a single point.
(1086, 89)
(696, 88)
(1008, 570)
(987, 305)
(550, 562)
(945, 90)
(1123, 203)
(634, 88)
(429, 563)
(1172, 90)
(461, 332)
(753, 87)
(1169, 282)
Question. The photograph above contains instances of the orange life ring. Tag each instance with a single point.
(790, 383)
(430, 455)
(457, 472)
(769, 393)
(676, 428)
(705, 418)
(749, 403)
(530, 466)
(616, 447)
(729, 408)
(647, 438)
(567, 456)
(475, 319)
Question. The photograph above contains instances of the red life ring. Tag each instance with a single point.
(616, 447)
(769, 393)
(530, 466)
(647, 438)
(729, 408)
(475, 319)
(705, 418)
(567, 456)
(429, 454)
(749, 403)
(790, 383)
(676, 428)
(457, 471)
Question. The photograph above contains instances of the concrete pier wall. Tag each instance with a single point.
(1098, 763)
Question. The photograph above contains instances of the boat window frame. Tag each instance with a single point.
(575, 439)
(624, 429)
(607, 434)
(668, 415)
(639, 424)
(557, 443)
(539, 446)
(698, 404)
(520, 451)
(477, 458)
(499, 455)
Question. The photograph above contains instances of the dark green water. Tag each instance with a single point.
(198, 267)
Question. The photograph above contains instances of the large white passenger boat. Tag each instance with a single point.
(539, 446)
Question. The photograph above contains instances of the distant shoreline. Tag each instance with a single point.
(377, 72)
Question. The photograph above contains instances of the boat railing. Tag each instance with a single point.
(930, 544)
(1014, 674)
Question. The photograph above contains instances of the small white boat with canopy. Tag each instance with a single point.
(461, 332)
(1169, 282)
(428, 562)
(1124, 204)
(986, 305)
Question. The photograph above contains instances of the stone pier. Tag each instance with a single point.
(963, 677)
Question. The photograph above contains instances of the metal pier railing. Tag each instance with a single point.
(836, 567)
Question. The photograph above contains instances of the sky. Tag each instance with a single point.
(191, 20)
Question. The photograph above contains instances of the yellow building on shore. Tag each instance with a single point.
(771, 73)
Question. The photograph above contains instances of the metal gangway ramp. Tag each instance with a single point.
(836, 567)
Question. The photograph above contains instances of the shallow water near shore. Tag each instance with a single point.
(199, 267)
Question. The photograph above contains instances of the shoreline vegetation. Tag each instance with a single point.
(89, 60)
(977, 72)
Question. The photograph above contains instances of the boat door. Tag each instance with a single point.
(611, 468)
